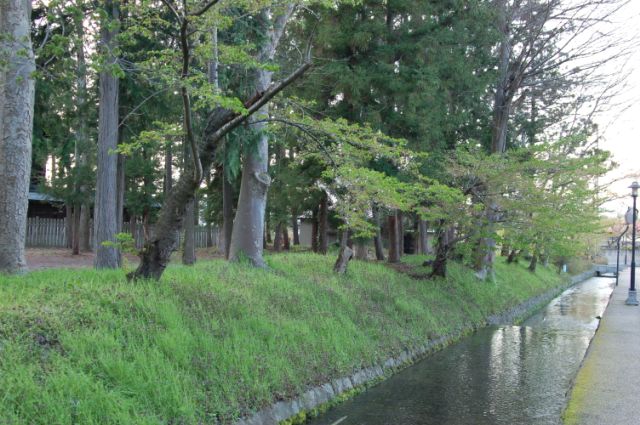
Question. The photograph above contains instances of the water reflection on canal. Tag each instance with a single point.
(500, 375)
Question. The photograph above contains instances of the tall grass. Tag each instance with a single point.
(214, 341)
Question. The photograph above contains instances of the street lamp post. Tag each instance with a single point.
(631, 299)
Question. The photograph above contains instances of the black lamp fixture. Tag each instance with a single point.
(632, 299)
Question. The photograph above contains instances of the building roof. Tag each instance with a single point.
(36, 196)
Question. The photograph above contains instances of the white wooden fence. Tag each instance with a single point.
(46, 232)
(51, 233)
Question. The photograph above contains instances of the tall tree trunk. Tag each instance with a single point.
(345, 254)
(54, 167)
(513, 256)
(294, 214)
(294, 228)
(81, 223)
(133, 229)
(378, 246)
(531, 131)
(423, 235)
(323, 225)
(75, 244)
(227, 213)
(16, 125)
(286, 243)
(68, 225)
(145, 224)
(189, 243)
(214, 63)
(485, 251)
(121, 161)
(157, 251)
(417, 249)
(85, 227)
(400, 221)
(534, 262)
(394, 248)
(277, 242)
(443, 246)
(105, 214)
(314, 229)
(227, 189)
(267, 232)
(120, 190)
(209, 238)
(362, 251)
(503, 96)
(377, 239)
(248, 227)
(168, 169)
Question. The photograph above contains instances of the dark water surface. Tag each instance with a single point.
(499, 375)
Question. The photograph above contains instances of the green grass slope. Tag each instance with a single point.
(217, 340)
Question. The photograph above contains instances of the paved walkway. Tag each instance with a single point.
(607, 387)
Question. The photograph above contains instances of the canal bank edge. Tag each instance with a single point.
(322, 397)
(529, 307)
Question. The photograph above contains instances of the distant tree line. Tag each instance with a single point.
(473, 121)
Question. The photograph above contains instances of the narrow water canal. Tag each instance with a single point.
(499, 375)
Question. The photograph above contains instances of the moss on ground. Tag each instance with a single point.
(576, 400)
(215, 341)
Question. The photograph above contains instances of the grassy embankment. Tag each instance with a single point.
(207, 342)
